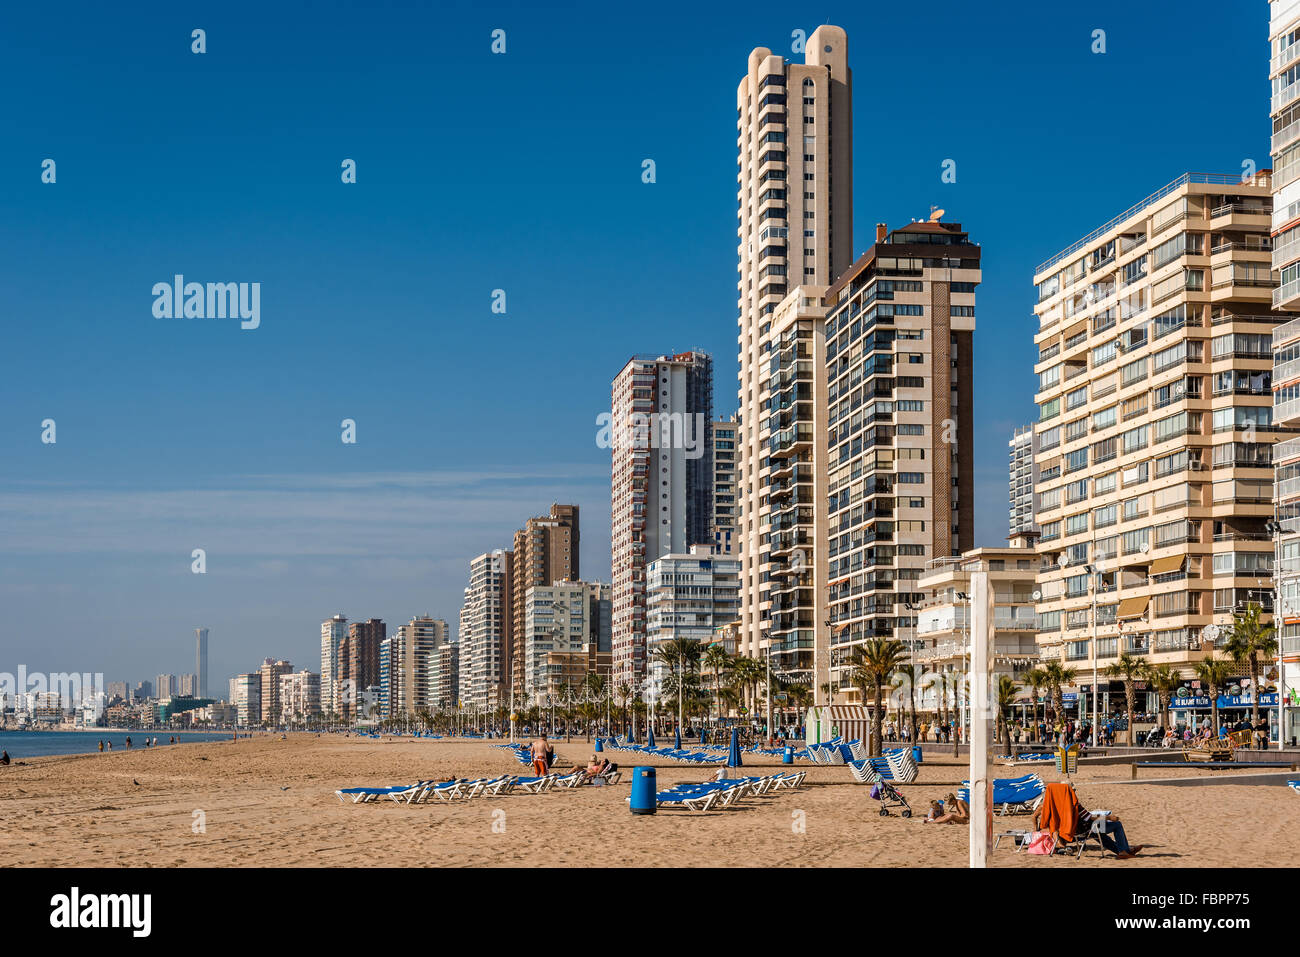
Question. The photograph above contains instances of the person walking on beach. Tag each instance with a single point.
(541, 755)
(101, 744)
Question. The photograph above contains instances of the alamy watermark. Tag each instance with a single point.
(654, 430)
(71, 687)
(179, 299)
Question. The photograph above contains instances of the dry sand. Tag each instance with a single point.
(268, 802)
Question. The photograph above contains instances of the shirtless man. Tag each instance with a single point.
(541, 749)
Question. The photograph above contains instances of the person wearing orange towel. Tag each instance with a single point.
(1063, 815)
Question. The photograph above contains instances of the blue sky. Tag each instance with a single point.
(475, 172)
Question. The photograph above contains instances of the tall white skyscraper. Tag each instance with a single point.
(201, 660)
(794, 226)
(333, 633)
(661, 483)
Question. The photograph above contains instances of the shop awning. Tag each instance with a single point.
(1163, 566)
(1133, 607)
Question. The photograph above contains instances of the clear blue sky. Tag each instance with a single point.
(475, 172)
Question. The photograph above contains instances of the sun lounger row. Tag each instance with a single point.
(689, 757)
(424, 792)
(725, 793)
(1011, 795)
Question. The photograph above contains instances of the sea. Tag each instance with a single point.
(37, 744)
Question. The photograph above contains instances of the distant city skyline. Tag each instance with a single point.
(375, 297)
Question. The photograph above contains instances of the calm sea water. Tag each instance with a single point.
(35, 744)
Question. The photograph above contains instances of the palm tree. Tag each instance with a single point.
(717, 660)
(872, 665)
(1131, 669)
(1057, 677)
(680, 655)
(1214, 673)
(748, 674)
(910, 675)
(1165, 680)
(1006, 696)
(1035, 679)
(801, 697)
(1246, 642)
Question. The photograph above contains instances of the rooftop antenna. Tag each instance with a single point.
(936, 214)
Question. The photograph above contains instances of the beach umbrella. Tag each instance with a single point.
(733, 758)
(650, 738)
(677, 739)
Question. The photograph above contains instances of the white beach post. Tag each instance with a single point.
(981, 806)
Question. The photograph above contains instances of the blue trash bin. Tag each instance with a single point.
(916, 754)
(599, 746)
(643, 791)
(787, 756)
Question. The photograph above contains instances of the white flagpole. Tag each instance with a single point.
(981, 807)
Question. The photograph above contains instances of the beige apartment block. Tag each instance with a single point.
(794, 202)
(943, 633)
(545, 552)
(1155, 430)
(1284, 76)
(899, 370)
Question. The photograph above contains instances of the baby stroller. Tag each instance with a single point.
(889, 796)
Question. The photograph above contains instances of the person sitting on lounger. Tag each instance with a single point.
(1062, 814)
(958, 812)
(597, 765)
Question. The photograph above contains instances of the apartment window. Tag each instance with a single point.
(1134, 439)
(1104, 419)
(1049, 409)
(1049, 438)
(1104, 516)
(1103, 354)
(1132, 372)
(1076, 398)
(1104, 484)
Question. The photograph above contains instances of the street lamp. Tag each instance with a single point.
(1275, 529)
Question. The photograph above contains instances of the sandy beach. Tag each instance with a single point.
(270, 802)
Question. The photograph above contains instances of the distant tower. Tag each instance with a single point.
(201, 654)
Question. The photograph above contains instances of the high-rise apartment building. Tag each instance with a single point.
(187, 686)
(358, 665)
(1021, 475)
(165, 686)
(724, 485)
(269, 675)
(299, 697)
(201, 660)
(408, 658)
(333, 634)
(444, 676)
(661, 483)
(485, 623)
(900, 484)
(546, 551)
(690, 597)
(788, 551)
(794, 124)
(566, 624)
(1284, 74)
(1155, 429)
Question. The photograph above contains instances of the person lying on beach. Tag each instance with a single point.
(959, 812)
